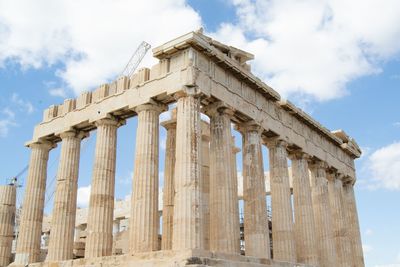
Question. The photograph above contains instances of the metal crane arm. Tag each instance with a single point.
(135, 60)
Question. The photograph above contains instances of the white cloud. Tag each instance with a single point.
(22, 105)
(83, 196)
(5, 125)
(60, 92)
(384, 165)
(389, 265)
(7, 121)
(365, 151)
(9, 113)
(94, 39)
(314, 48)
(396, 124)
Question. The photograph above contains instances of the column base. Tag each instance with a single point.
(169, 258)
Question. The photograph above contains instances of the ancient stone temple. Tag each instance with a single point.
(313, 216)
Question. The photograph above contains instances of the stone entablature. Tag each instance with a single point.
(192, 60)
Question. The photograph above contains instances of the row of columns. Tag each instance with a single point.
(306, 238)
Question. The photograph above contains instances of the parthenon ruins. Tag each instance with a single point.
(313, 217)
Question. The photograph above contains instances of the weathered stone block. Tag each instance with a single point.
(84, 100)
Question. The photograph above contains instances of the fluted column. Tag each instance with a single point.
(256, 234)
(188, 228)
(340, 229)
(144, 221)
(304, 227)
(281, 204)
(353, 226)
(64, 210)
(7, 222)
(205, 182)
(169, 191)
(235, 207)
(101, 204)
(30, 229)
(322, 215)
(224, 217)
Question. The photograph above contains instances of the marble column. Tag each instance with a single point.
(340, 229)
(235, 150)
(304, 227)
(168, 191)
(7, 222)
(256, 233)
(353, 225)
(101, 204)
(61, 241)
(205, 182)
(322, 215)
(224, 217)
(188, 217)
(30, 229)
(144, 221)
(282, 216)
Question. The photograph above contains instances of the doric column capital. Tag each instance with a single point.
(250, 126)
(74, 133)
(218, 108)
(348, 180)
(275, 142)
(43, 144)
(333, 174)
(340, 176)
(188, 91)
(298, 155)
(113, 121)
(153, 106)
(171, 123)
(318, 164)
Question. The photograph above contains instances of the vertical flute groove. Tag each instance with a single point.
(64, 210)
(144, 210)
(7, 221)
(224, 219)
(353, 225)
(168, 191)
(30, 230)
(282, 216)
(101, 203)
(188, 215)
(306, 246)
(340, 229)
(256, 233)
(322, 215)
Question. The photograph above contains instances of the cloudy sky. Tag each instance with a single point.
(338, 60)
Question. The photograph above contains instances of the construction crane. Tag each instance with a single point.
(136, 58)
(14, 180)
(128, 71)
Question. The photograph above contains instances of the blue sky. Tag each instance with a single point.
(339, 62)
